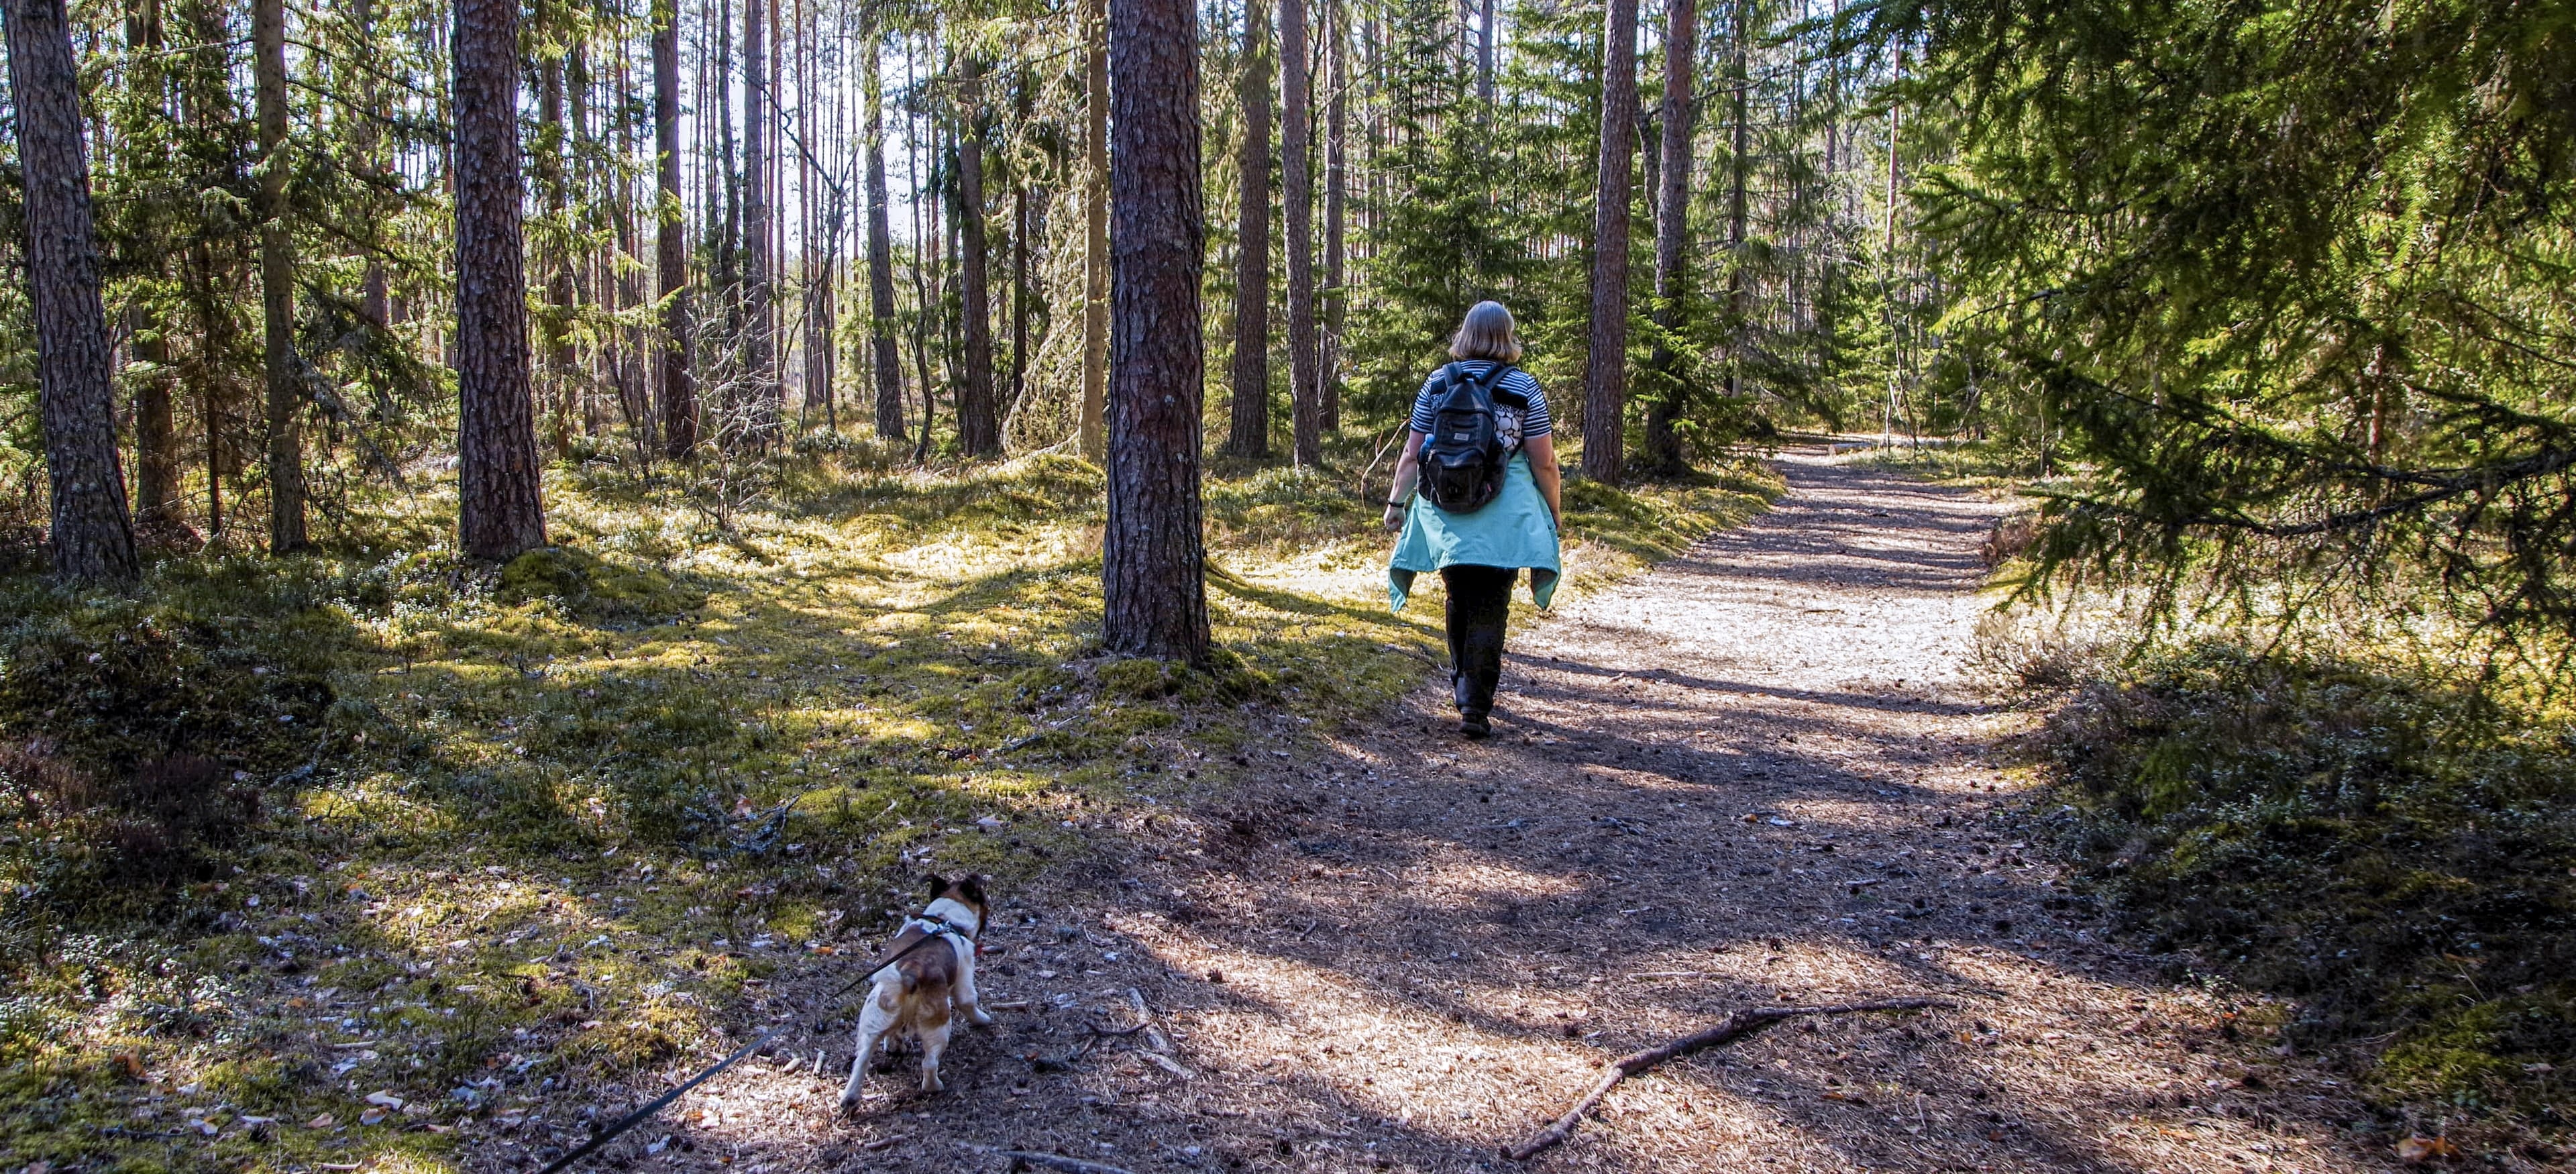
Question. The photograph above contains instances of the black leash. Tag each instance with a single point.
(657, 1104)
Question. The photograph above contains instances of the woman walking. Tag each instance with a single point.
(1489, 506)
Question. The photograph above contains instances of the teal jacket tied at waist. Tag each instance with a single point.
(1513, 530)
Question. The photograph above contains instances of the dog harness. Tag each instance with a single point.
(938, 926)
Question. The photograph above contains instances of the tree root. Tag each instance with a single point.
(1022, 1159)
(1092, 1035)
(1729, 1029)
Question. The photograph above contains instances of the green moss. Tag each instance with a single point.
(594, 588)
(2395, 856)
(2483, 1052)
(595, 793)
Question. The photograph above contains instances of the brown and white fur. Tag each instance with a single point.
(916, 990)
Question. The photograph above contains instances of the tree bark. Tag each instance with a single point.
(156, 436)
(1248, 423)
(554, 254)
(881, 343)
(774, 182)
(1296, 158)
(1887, 256)
(1485, 56)
(1153, 553)
(93, 534)
(760, 349)
(1605, 399)
(671, 242)
(979, 430)
(1095, 210)
(374, 289)
(156, 440)
(1337, 83)
(1019, 293)
(726, 175)
(1672, 216)
(499, 514)
(1739, 172)
(277, 283)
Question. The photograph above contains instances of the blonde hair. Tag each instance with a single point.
(1486, 334)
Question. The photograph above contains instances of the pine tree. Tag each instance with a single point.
(1670, 384)
(277, 282)
(1248, 432)
(1152, 554)
(499, 514)
(888, 366)
(1337, 84)
(1296, 164)
(677, 369)
(93, 535)
(979, 428)
(1092, 426)
(1605, 379)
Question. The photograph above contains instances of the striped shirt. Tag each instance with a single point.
(1517, 425)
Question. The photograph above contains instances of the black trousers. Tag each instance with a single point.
(1480, 601)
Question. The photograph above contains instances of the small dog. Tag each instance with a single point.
(916, 990)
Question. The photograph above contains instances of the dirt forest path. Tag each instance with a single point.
(1759, 774)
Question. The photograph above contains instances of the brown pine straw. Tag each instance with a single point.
(1727, 1030)
(1022, 1159)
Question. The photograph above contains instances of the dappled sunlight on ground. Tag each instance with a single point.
(1753, 777)
(573, 829)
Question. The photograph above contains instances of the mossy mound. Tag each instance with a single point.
(2395, 856)
(593, 588)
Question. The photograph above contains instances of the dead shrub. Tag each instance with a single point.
(153, 825)
(2013, 535)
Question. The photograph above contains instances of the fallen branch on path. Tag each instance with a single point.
(1023, 1159)
(1092, 1035)
(1729, 1029)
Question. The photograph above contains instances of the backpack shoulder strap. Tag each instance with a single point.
(1493, 382)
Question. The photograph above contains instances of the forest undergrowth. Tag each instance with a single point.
(317, 859)
(2365, 811)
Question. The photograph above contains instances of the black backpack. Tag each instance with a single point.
(1464, 456)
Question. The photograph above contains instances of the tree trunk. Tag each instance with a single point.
(760, 349)
(1095, 211)
(727, 175)
(499, 514)
(773, 378)
(374, 294)
(1296, 158)
(1152, 554)
(881, 344)
(1672, 216)
(156, 437)
(1485, 56)
(1887, 257)
(1019, 293)
(277, 283)
(93, 535)
(622, 264)
(1337, 82)
(979, 431)
(925, 286)
(1739, 173)
(671, 242)
(1248, 424)
(156, 440)
(1605, 399)
(554, 254)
